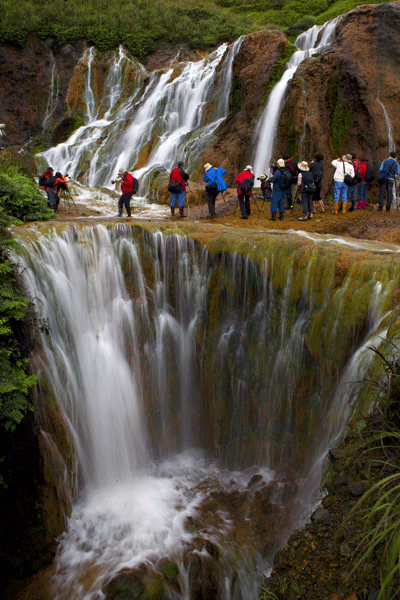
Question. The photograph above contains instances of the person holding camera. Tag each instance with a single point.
(129, 186)
(177, 188)
(265, 186)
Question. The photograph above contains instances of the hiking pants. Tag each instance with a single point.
(178, 197)
(288, 195)
(363, 190)
(354, 192)
(386, 188)
(244, 203)
(278, 202)
(211, 202)
(317, 193)
(124, 201)
(340, 190)
(308, 204)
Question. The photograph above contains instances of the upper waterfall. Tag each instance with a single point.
(166, 116)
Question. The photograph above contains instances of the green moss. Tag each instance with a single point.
(286, 50)
(340, 117)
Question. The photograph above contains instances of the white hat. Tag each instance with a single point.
(122, 172)
(249, 168)
(207, 166)
(262, 176)
(303, 166)
(347, 158)
(2, 125)
(280, 162)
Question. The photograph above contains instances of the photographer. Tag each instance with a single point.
(265, 186)
(278, 195)
(129, 186)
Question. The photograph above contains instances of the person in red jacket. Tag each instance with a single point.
(177, 188)
(127, 189)
(245, 179)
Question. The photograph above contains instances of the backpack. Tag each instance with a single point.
(50, 181)
(135, 186)
(247, 185)
(369, 174)
(357, 176)
(286, 180)
(42, 180)
(348, 179)
(307, 182)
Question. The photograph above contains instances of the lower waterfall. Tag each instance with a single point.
(201, 391)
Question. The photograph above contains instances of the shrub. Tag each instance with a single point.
(20, 197)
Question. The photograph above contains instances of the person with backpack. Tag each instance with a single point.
(343, 168)
(129, 186)
(362, 186)
(177, 188)
(305, 182)
(278, 194)
(265, 186)
(245, 181)
(290, 175)
(387, 171)
(355, 188)
(317, 169)
(215, 184)
(44, 177)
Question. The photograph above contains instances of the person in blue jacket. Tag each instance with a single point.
(215, 184)
(278, 195)
(390, 168)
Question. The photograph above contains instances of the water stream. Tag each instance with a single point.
(192, 386)
(316, 39)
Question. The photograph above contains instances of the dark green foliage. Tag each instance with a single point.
(20, 197)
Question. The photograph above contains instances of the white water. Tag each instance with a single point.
(124, 370)
(167, 113)
(317, 39)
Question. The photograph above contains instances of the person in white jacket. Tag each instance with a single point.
(343, 166)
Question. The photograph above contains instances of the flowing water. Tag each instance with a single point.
(193, 386)
(317, 39)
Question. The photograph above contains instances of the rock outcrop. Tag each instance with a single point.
(337, 101)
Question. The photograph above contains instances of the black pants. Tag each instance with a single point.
(244, 203)
(124, 201)
(386, 189)
(211, 202)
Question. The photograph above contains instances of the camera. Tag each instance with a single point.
(113, 181)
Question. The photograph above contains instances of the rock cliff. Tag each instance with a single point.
(345, 99)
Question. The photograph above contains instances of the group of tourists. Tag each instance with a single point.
(53, 184)
(351, 179)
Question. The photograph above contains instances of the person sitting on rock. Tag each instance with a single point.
(215, 184)
(278, 195)
(343, 166)
(291, 166)
(245, 181)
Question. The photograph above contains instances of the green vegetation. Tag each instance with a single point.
(20, 200)
(380, 505)
(143, 26)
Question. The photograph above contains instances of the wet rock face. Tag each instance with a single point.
(334, 104)
(25, 79)
(253, 71)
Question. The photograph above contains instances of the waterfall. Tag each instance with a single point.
(52, 100)
(315, 39)
(163, 121)
(391, 143)
(183, 375)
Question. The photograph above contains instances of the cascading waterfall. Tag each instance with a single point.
(168, 116)
(265, 133)
(183, 375)
(53, 93)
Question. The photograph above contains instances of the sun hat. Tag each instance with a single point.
(303, 166)
(2, 125)
(207, 166)
(249, 168)
(347, 158)
(280, 162)
(122, 172)
(262, 176)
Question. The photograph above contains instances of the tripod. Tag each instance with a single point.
(67, 198)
